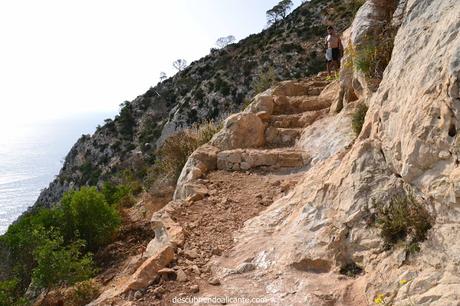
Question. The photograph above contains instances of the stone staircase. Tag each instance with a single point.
(296, 105)
(264, 136)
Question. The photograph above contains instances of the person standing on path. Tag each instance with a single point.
(334, 50)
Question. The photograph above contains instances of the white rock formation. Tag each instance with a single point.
(409, 142)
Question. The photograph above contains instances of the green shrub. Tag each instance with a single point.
(10, 293)
(47, 245)
(21, 240)
(58, 264)
(126, 120)
(358, 117)
(129, 178)
(372, 57)
(114, 194)
(87, 213)
(403, 218)
(265, 81)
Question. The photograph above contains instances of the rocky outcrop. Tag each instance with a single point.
(243, 130)
(408, 143)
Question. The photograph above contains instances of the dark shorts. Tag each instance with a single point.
(335, 54)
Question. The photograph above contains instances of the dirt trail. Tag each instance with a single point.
(210, 224)
(231, 197)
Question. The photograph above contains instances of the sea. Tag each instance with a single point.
(31, 155)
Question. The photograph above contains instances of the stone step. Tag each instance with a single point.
(319, 83)
(284, 105)
(300, 120)
(245, 159)
(281, 137)
(299, 88)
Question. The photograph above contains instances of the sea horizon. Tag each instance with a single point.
(31, 155)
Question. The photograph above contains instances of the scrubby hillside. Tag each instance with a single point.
(216, 85)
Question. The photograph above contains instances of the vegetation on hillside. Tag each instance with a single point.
(265, 80)
(173, 154)
(53, 247)
(358, 117)
(373, 55)
(403, 218)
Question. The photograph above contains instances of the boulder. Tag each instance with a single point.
(147, 271)
(261, 103)
(203, 160)
(243, 130)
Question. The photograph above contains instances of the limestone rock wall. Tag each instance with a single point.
(409, 142)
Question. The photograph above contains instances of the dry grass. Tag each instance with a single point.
(265, 80)
(82, 293)
(357, 120)
(173, 154)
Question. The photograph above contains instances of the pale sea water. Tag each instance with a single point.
(31, 156)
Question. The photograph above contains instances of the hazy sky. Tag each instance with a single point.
(62, 57)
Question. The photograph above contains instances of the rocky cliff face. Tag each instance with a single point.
(409, 142)
(208, 89)
(317, 242)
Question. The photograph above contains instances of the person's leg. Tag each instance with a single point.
(336, 66)
(328, 65)
(331, 68)
(335, 59)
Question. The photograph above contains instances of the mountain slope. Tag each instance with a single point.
(209, 88)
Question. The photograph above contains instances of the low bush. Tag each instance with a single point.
(83, 293)
(173, 154)
(58, 264)
(10, 293)
(358, 117)
(403, 218)
(50, 247)
(372, 56)
(21, 240)
(118, 195)
(87, 213)
(265, 80)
